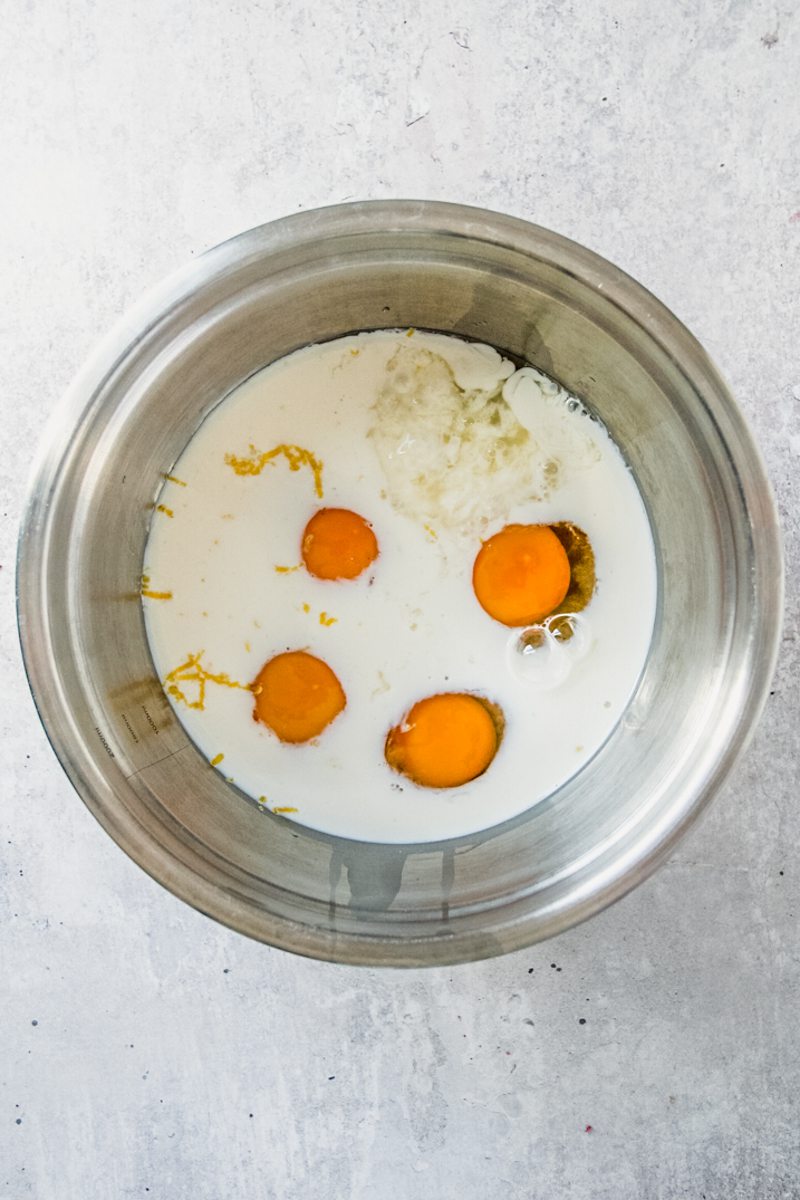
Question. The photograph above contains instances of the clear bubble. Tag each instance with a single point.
(532, 639)
(572, 631)
(535, 658)
(544, 655)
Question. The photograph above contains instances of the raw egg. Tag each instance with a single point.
(444, 741)
(521, 574)
(338, 544)
(297, 696)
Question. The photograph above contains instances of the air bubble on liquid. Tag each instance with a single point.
(572, 631)
(535, 658)
(544, 655)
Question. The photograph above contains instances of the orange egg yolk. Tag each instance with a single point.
(338, 544)
(297, 696)
(445, 740)
(521, 574)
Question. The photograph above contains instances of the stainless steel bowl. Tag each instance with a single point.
(316, 276)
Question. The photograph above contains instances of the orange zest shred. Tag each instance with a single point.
(173, 479)
(162, 508)
(285, 808)
(193, 671)
(288, 570)
(150, 593)
(216, 760)
(296, 457)
(324, 619)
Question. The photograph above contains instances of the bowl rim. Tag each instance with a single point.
(394, 217)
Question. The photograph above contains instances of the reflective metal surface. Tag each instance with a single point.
(312, 277)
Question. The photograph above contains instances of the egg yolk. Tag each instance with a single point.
(297, 696)
(445, 740)
(338, 544)
(521, 574)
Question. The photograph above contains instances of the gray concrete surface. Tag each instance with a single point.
(653, 1052)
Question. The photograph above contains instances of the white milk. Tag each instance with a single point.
(374, 410)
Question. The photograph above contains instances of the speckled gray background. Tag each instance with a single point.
(147, 1052)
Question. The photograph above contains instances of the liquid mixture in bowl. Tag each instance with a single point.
(398, 590)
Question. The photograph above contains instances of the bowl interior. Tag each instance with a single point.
(310, 279)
